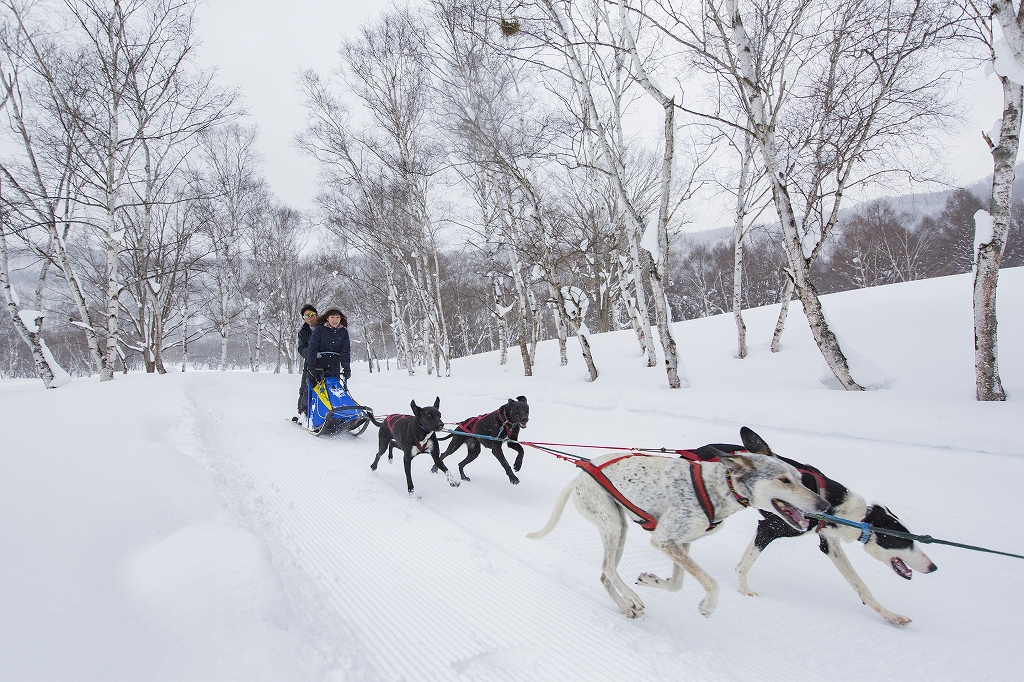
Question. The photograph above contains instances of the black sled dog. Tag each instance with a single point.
(504, 422)
(412, 432)
(902, 555)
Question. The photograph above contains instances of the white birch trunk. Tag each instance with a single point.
(31, 337)
(988, 385)
(780, 324)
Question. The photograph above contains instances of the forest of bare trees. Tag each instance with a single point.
(492, 175)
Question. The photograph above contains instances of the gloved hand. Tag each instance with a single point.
(346, 372)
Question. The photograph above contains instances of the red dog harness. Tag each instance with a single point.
(393, 419)
(647, 521)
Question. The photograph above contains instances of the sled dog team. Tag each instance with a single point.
(678, 499)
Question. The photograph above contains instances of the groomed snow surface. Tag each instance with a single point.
(179, 528)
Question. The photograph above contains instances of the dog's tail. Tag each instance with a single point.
(374, 421)
(556, 513)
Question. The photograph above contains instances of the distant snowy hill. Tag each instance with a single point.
(179, 527)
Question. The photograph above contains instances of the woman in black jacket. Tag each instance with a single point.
(329, 348)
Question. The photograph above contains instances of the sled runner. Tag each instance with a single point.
(330, 408)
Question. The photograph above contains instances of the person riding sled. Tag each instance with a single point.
(309, 321)
(329, 350)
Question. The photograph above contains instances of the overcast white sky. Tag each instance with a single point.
(260, 46)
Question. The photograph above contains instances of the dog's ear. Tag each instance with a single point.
(415, 408)
(510, 402)
(736, 463)
(521, 398)
(437, 403)
(754, 443)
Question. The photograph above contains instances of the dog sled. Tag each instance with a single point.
(331, 409)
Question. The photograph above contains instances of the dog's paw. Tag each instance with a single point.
(748, 592)
(633, 611)
(517, 465)
(434, 469)
(453, 482)
(514, 480)
(373, 467)
(464, 477)
(895, 618)
(708, 606)
(649, 580)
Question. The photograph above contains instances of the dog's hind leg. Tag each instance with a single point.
(473, 446)
(673, 584)
(601, 509)
(384, 443)
(454, 445)
(838, 556)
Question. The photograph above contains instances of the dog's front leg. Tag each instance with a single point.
(842, 562)
(439, 462)
(679, 554)
(749, 557)
(673, 584)
(500, 456)
(519, 457)
(408, 469)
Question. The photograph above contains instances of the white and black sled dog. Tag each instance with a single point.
(904, 556)
(679, 501)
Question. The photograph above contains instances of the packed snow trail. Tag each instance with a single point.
(445, 584)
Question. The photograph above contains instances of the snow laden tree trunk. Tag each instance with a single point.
(521, 290)
(399, 330)
(780, 324)
(738, 238)
(764, 134)
(500, 311)
(991, 231)
(41, 356)
(643, 320)
(573, 303)
(446, 345)
(624, 280)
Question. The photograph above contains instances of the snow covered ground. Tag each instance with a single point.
(179, 528)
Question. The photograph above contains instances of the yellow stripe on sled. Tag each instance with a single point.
(321, 391)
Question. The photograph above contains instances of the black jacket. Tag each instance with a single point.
(304, 332)
(332, 346)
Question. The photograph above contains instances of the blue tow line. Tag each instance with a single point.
(866, 530)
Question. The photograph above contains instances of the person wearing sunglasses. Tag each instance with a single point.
(309, 320)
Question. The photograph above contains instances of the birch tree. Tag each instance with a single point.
(993, 226)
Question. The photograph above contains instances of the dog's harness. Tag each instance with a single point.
(393, 419)
(508, 429)
(647, 521)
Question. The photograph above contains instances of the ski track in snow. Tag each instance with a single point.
(316, 504)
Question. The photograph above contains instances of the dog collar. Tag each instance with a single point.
(739, 498)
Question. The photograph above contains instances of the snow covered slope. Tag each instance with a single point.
(179, 528)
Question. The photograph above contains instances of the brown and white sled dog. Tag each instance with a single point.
(681, 507)
(903, 555)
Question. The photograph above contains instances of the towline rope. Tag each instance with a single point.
(866, 529)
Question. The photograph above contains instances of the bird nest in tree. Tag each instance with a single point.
(509, 27)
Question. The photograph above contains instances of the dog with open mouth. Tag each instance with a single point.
(903, 555)
(678, 501)
(501, 425)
